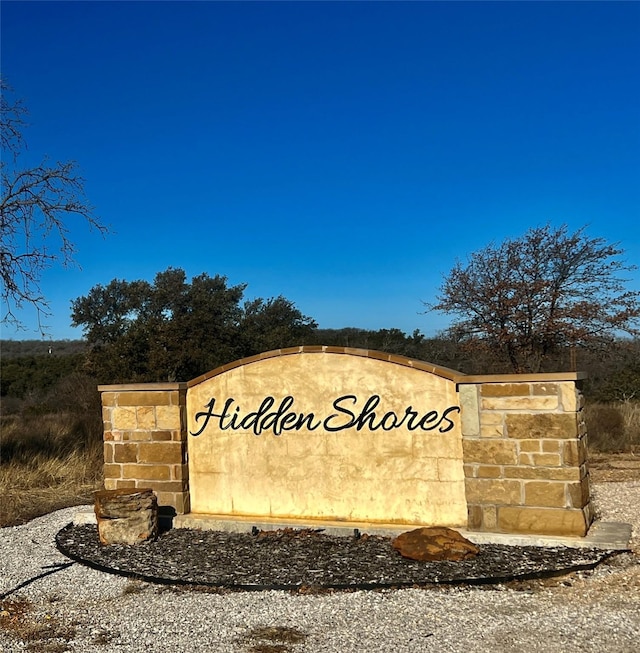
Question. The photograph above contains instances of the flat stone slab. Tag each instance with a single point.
(615, 536)
(612, 536)
(305, 559)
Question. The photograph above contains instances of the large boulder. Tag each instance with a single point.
(433, 544)
(126, 516)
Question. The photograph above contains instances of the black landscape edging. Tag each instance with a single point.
(67, 543)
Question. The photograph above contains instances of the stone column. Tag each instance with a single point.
(525, 454)
(145, 440)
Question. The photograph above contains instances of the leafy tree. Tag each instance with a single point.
(273, 324)
(35, 207)
(529, 297)
(194, 325)
(175, 330)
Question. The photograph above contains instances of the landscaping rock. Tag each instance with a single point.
(126, 516)
(434, 544)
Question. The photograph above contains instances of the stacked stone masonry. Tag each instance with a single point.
(524, 446)
(145, 440)
(525, 457)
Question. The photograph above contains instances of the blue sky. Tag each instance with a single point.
(344, 155)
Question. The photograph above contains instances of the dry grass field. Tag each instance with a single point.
(54, 461)
(613, 427)
(47, 462)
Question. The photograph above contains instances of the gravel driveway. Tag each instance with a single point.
(51, 605)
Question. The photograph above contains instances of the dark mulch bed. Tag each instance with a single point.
(308, 559)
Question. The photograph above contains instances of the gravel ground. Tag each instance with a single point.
(51, 605)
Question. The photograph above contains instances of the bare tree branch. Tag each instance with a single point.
(35, 209)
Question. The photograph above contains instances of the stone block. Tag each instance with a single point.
(546, 459)
(570, 455)
(137, 436)
(544, 389)
(548, 494)
(495, 431)
(108, 452)
(589, 513)
(583, 471)
(170, 453)
(146, 417)
(520, 403)
(125, 452)
(489, 518)
(121, 484)
(583, 450)
(147, 472)
(529, 446)
(569, 397)
(574, 452)
(124, 419)
(161, 436)
(108, 398)
(579, 493)
(505, 389)
(542, 521)
(493, 491)
(491, 425)
(543, 473)
(469, 410)
(149, 398)
(544, 426)
(168, 417)
(552, 446)
(525, 459)
(491, 418)
(112, 471)
(490, 452)
(489, 471)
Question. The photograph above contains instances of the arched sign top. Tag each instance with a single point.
(443, 372)
(320, 432)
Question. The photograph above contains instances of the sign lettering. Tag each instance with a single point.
(277, 419)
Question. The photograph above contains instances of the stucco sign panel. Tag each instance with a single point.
(327, 436)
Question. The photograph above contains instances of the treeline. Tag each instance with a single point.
(40, 378)
(21, 348)
(175, 329)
